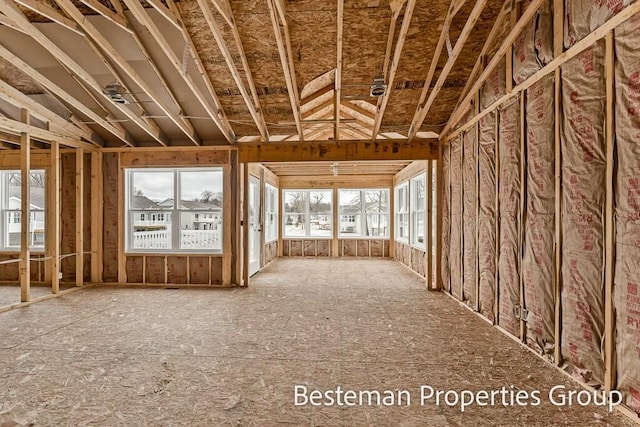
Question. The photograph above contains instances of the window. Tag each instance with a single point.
(11, 205)
(271, 213)
(418, 207)
(151, 208)
(364, 213)
(307, 213)
(402, 212)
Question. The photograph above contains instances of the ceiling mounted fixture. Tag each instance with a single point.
(115, 92)
(378, 88)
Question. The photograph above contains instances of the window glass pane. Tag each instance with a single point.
(200, 231)
(294, 225)
(201, 190)
(349, 201)
(320, 202)
(152, 190)
(12, 205)
(419, 229)
(295, 201)
(320, 225)
(376, 200)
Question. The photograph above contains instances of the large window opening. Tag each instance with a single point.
(307, 213)
(364, 213)
(174, 210)
(418, 208)
(402, 212)
(11, 207)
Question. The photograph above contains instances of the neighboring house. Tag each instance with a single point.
(14, 216)
(195, 215)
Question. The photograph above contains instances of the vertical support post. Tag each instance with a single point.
(227, 202)
(476, 150)
(280, 221)
(513, 18)
(245, 223)
(429, 221)
(79, 216)
(25, 211)
(496, 289)
(523, 136)
(437, 285)
(53, 217)
(96, 217)
(232, 255)
(122, 270)
(392, 223)
(336, 224)
(609, 317)
(558, 34)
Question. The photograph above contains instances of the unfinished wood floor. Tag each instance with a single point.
(107, 356)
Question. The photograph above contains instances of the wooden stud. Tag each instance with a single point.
(496, 290)
(280, 221)
(429, 220)
(336, 224)
(53, 217)
(227, 252)
(96, 217)
(246, 226)
(166, 270)
(558, 34)
(392, 224)
(144, 269)
(261, 215)
(522, 212)
(609, 315)
(25, 211)
(514, 15)
(79, 217)
(122, 270)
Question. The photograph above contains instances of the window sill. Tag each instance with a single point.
(206, 254)
(307, 238)
(362, 238)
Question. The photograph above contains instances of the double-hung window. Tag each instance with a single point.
(402, 212)
(271, 213)
(11, 209)
(307, 213)
(418, 210)
(364, 213)
(174, 209)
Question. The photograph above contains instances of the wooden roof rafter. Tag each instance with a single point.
(113, 54)
(286, 59)
(423, 109)
(45, 10)
(382, 103)
(112, 16)
(249, 96)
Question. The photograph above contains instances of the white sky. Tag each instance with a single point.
(158, 186)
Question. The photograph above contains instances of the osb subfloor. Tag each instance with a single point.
(108, 356)
(10, 293)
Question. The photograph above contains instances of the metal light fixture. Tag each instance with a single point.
(378, 88)
(115, 92)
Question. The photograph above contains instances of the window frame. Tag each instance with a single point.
(307, 213)
(16, 214)
(173, 213)
(363, 213)
(417, 210)
(402, 213)
(270, 235)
